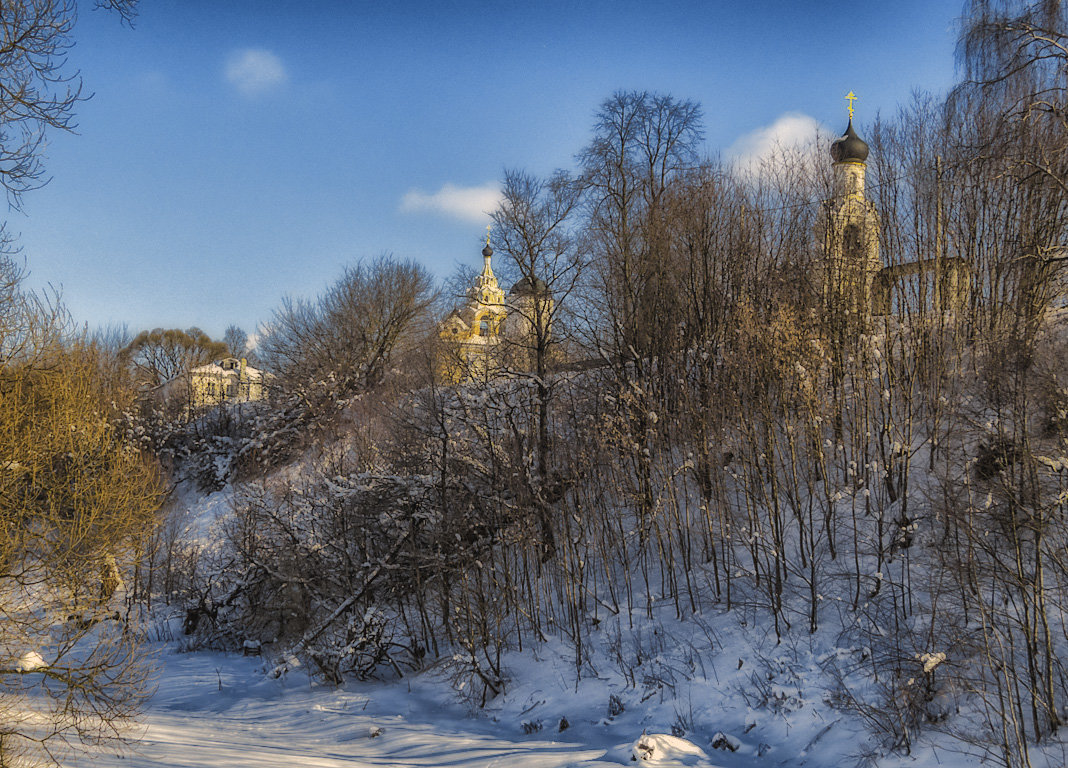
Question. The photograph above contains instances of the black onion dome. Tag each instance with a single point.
(487, 251)
(849, 148)
(529, 287)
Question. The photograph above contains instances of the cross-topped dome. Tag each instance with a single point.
(849, 148)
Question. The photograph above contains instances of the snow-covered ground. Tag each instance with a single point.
(732, 696)
(710, 688)
(222, 710)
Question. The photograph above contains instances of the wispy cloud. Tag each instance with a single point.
(791, 132)
(467, 203)
(254, 71)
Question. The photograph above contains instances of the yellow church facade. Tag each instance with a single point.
(490, 333)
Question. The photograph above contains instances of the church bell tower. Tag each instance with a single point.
(848, 230)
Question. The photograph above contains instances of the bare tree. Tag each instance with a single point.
(38, 90)
(236, 341)
(533, 229)
(642, 143)
(347, 338)
(162, 354)
(1012, 108)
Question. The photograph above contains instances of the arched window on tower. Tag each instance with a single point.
(484, 327)
(853, 238)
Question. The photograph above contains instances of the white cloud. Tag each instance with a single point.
(254, 71)
(467, 203)
(791, 132)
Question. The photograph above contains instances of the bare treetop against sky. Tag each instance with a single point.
(237, 151)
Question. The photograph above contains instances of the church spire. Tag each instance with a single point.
(487, 255)
(486, 290)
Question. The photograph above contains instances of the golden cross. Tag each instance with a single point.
(850, 97)
(488, 228)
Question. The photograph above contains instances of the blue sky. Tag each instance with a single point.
(235, 151)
